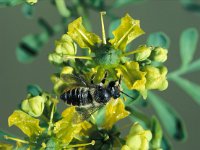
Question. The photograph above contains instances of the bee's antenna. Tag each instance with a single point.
(128, 95)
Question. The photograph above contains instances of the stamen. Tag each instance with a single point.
(78, 145)
(15, 139)
(103, 29)
(65, 57)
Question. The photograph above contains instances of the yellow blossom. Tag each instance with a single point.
(67, 128)
(132, 76)
(28, 125)
(115, 111)
(137, 139)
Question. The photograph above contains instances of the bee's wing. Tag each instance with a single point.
(84, 113)
(73, 80)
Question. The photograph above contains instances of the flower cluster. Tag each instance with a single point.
(141, 70)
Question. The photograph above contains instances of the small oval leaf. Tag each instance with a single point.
(188, 44)
(158, 39)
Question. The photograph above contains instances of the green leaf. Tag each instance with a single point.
(62, 8)
(120, 3)
(128, 30)
(84, 38)
(52, 144)
(166, 145)
(158, 39)
(188, 44)
(28, 10)
(30, 47)
(113, 25)
(191, 5)
(28, 125)
(157, 133)
(168, 116)
(190, 88)
(34, 90)
(11, 2)
(138, 116)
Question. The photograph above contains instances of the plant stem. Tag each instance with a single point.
(51, 119)
(103, 29)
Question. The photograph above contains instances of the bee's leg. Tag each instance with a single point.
(92, 79)
(104, 78)
(120, 79)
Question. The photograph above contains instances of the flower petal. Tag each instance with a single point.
(128, 30)
(65, 129)
(132, 76)
(28, 125)
(115, 111)
(84, 38)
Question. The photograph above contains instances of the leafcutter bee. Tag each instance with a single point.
(89, 97)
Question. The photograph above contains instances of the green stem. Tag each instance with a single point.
(51, 119)
(61, 6)
(178, 72)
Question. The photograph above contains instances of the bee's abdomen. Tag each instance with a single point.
(77, 97)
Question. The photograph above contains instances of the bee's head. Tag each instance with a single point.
(114, 88)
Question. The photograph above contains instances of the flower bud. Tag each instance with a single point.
(156, 77)
(159, 54)
(66, 46)
(66, 70)
(143, 53)
(31, 1)
(33, 106)
(55, 58)
(138, 138)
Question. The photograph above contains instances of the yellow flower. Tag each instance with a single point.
(28, 125)
(115, 111)
(137, 139)
(128, 30)
(66, 129)
(132, 76)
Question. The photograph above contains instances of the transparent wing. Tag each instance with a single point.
(74, 80)
(84, 113)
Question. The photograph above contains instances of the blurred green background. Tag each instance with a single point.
(155, 15)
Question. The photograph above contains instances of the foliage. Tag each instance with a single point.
(142, 70)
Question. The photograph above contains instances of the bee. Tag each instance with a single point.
(89, 97)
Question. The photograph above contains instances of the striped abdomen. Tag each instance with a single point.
(77, 97)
